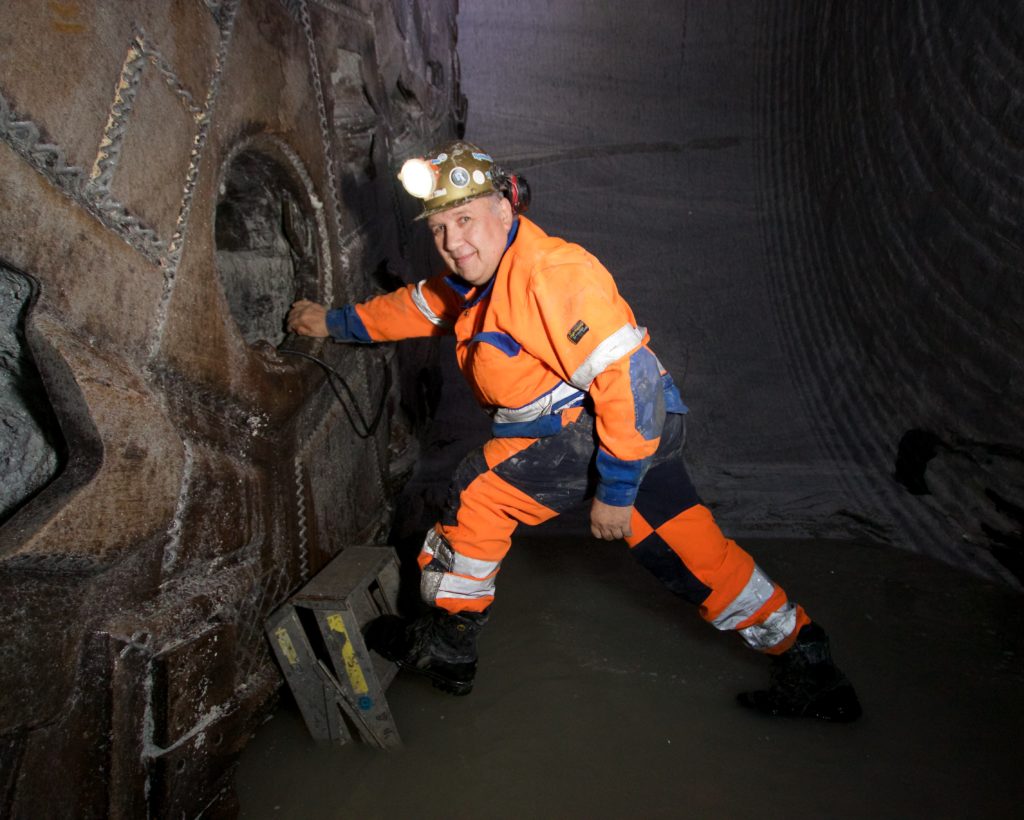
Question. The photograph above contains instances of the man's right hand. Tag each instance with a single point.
(610, 523)
(307, 319)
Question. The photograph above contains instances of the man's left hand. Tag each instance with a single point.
(608, 522)
(307, 319)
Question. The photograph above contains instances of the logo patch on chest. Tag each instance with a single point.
(577, 332)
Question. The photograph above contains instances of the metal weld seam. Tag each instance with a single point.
(172, 258)
(50, 161)
(117, 120)
(321, 221)
(156, 58)
(300, 507)
(325, 133)
(174, 531)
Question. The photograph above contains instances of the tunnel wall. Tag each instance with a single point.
(892, 170)
(194, 475)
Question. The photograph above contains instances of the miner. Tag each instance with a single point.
(582, 412)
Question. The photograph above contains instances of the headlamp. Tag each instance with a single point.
(449, 175)
(418, 177)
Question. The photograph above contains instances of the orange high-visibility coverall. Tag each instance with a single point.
(581, 407)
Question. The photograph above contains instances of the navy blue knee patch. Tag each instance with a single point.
(470, 468)
(665, 492)
(656, 555)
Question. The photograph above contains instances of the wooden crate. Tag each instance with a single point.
(317, 637)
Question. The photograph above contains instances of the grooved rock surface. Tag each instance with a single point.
(31, 448)
(172, 176)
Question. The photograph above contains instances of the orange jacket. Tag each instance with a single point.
(549, 329)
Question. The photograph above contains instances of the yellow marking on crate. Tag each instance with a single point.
(348, 656)
(285, 642)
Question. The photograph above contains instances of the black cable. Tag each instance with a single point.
(370, 428)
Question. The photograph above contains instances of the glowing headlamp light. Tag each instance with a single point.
(418, 178)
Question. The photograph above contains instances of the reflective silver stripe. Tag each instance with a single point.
(776, 628)
(608, 351)
(440, 550)
(751, 598)
(420, 301)
(430, 583)
(475, 578)
(538, 407)
(455, 586)
(437, 547)
(474, 567)
(434, 585)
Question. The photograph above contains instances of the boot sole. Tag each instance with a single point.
(459, 689)
(446, 685)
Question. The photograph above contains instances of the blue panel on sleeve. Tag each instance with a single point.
(673, 401)
(620, 479)
(648, 393)
(345, 325)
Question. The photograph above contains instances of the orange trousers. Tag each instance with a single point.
(512, 481)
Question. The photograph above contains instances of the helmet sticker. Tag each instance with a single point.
(480, 155)
(459, 177)
(478, 177)
(439, 192)
(441, 158)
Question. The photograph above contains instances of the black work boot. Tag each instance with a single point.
(438, 645)
(805, 683)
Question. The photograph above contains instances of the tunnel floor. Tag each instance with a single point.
(601, 695)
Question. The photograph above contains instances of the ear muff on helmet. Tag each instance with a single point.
(516, 190)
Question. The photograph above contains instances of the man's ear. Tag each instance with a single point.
(506, 213)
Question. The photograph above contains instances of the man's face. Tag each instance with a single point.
(471, 237)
